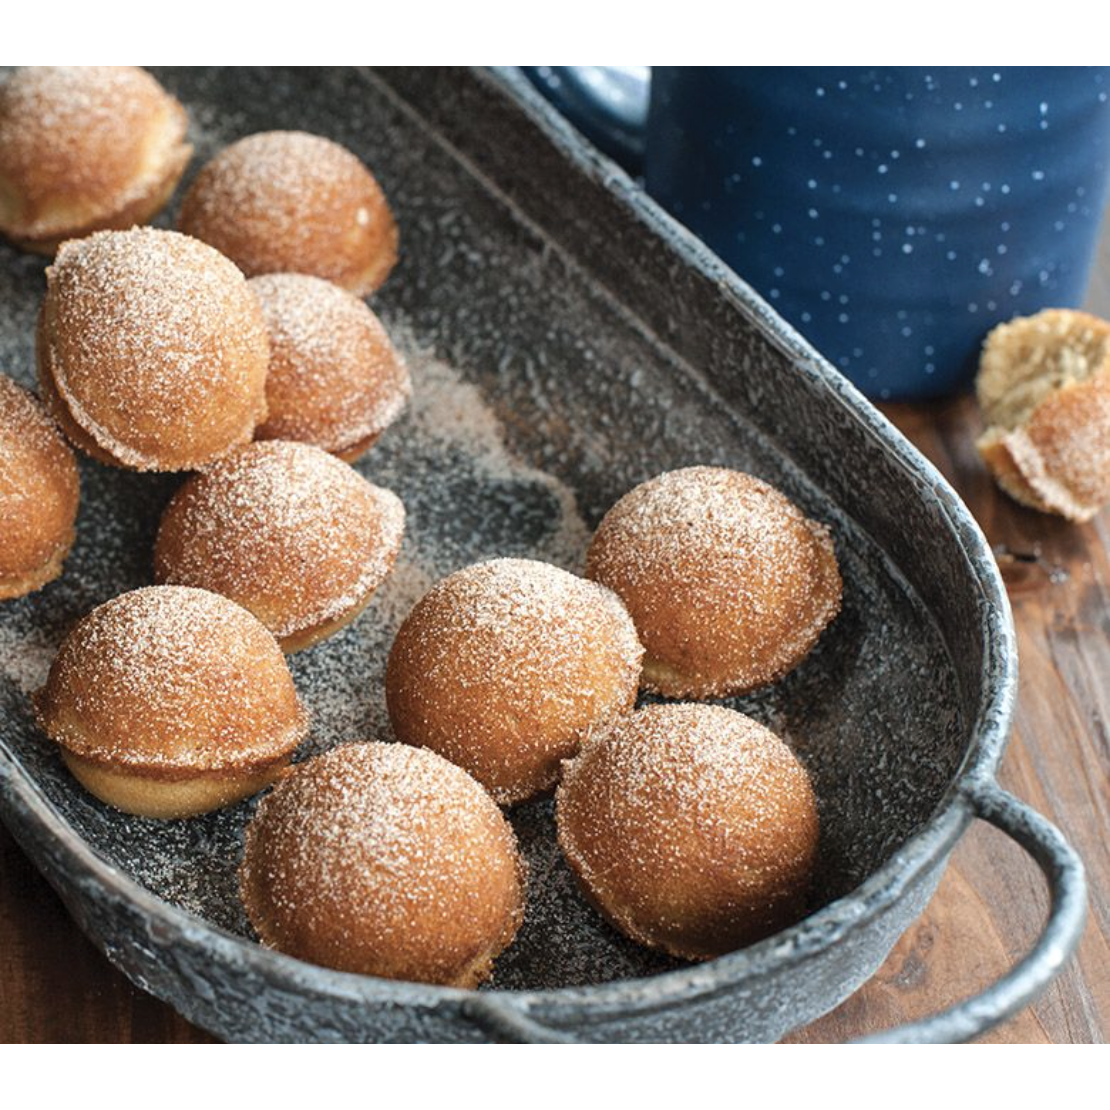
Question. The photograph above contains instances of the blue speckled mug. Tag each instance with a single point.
(892, 215)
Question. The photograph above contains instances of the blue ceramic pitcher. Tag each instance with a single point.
(892, 215)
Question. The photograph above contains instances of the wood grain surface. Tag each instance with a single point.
(54, 986)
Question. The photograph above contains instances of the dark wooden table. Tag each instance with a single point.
(54, 986)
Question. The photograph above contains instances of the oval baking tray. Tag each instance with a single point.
(567, 340)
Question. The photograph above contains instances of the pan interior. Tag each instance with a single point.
(538, 402)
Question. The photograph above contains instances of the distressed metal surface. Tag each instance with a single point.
(566, 342)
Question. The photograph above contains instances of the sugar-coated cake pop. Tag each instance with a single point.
(39, 494)
(291, 202)
(506, 667)
(288, 531)
(85, 148)
(169, 701)
(152, 350)
(729, 585)
(384, 860)
(692, 828)
(335, 379)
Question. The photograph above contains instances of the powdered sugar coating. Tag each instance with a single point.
(155, 346)
(728, 583)
(292, 202)
(285, 529)
(693, 827)
(80, 144)
(334, 379)
(387, 860)
(506, 667)
(169, 680)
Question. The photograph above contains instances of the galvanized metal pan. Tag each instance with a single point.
(567, 340)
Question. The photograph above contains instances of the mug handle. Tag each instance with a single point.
(608, 104)
(970, 1018)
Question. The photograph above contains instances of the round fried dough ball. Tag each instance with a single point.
(290, 202)
(384, 860)
(39, 494)
(85, 148)
(692, 828)
(168, 702)
(152, 350)
(289, 532)
(335, 380)
(506, 667)
(729, 585)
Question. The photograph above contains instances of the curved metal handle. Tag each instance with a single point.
(608, 104)
(970, 1018)
(1067, 915)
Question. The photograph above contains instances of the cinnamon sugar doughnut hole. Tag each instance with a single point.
(291, 202)
(168, 702)
(692, 828)
(729, 585)
(152, 351)
(289, 532)
(507, 667)
(384, 860)
(85, 148)
(335, 380)
(39, 494)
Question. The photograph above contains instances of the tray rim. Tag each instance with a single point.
(826, 927)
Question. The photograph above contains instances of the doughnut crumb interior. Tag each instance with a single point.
(1044, 391)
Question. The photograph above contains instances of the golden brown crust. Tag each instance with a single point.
(290, 202)
(85, 148)
(154, 347)
(172, 684)
(169, 799)
(1044, 387)
(729, 585)
(384, 860)
(286, 530)
(692, 828)
(39, 494)
(335, 379)
(507, 667)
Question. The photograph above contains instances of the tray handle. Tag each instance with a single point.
(970, 1018)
